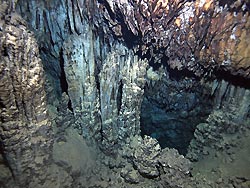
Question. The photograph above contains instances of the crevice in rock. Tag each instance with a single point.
(63, 81)
(119, 97)
(236, 80)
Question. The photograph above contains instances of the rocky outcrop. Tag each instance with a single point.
(25, 130)
(166, 166)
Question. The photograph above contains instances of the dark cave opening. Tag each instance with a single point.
(172, 108)
(119, 97)
(63, 80)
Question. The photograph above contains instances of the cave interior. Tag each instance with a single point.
(128, 93)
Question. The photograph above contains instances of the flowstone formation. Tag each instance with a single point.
(103, 63)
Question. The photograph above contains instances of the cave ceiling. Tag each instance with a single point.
(202, 36)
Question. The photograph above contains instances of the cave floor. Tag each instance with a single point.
(219, 165)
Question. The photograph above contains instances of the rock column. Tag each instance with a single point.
(25, 131)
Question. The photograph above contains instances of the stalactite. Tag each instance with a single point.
(200, 36)
(97, 106)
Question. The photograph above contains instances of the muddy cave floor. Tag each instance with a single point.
(91, 168)
(214, 167)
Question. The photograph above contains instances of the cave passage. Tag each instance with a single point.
(172, 108)
(169, 129)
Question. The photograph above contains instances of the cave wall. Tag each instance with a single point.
(173, 105)
(177, 107)
(104, 79)
(25, 131)
(95, 49)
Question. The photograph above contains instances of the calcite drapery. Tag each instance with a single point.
(79, 57)
(25, 130)
(53, 22)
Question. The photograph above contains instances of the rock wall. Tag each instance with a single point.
(227, 123)
(25, 129)
(53, 22)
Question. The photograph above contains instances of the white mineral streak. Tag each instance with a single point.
(232, 36)
(187, 13)
(202, 2)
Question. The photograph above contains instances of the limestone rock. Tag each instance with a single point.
(25, 129)
(170, 158)
(79, 67)
(145, 157)
(220, 132)
(200, 36)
